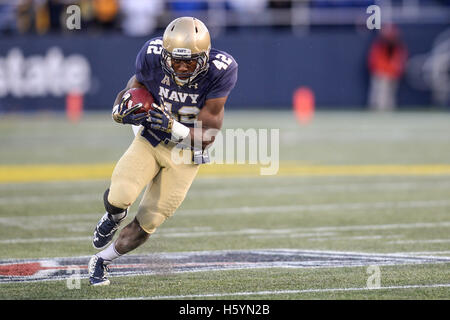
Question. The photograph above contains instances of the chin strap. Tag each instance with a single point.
(181, 82)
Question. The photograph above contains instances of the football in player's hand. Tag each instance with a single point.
(140, 95)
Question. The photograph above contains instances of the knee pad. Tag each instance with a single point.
(109, 207)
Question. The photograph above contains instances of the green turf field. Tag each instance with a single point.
(354, 191)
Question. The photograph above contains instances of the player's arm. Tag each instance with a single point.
(132, 83)
(121, 113)
(211, 118)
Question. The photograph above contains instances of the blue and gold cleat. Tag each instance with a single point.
(105, 230)
(98, 271)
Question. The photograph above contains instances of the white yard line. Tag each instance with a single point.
(319, 207)
(24, 200)
(40, 222)
(327, 233)
(419, 241)
(43, 240)
(314, 233)
(418, 253)
(51, 185)
(236, 190)
(278, 292)
(306, 189)
(372, 237)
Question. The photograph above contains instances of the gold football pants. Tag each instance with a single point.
(167, 183)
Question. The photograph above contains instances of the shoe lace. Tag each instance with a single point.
(107, 227)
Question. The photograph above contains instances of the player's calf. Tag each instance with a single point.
(130, 237)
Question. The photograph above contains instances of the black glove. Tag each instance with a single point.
(122, 114)
(159, 119)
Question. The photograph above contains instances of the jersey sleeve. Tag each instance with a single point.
(142, 68)
(225, 83)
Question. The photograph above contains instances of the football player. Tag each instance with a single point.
(190, 82)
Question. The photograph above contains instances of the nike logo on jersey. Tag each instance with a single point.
(177, 96)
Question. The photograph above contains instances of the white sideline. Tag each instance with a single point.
(215, 295)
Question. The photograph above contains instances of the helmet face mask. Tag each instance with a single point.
(201, 65)
(186, 39)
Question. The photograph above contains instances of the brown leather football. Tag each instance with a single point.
(140, 95)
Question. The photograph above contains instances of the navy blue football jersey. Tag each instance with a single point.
(184, 102)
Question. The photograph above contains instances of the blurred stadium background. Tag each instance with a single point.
(350, 179)
(280, 46)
